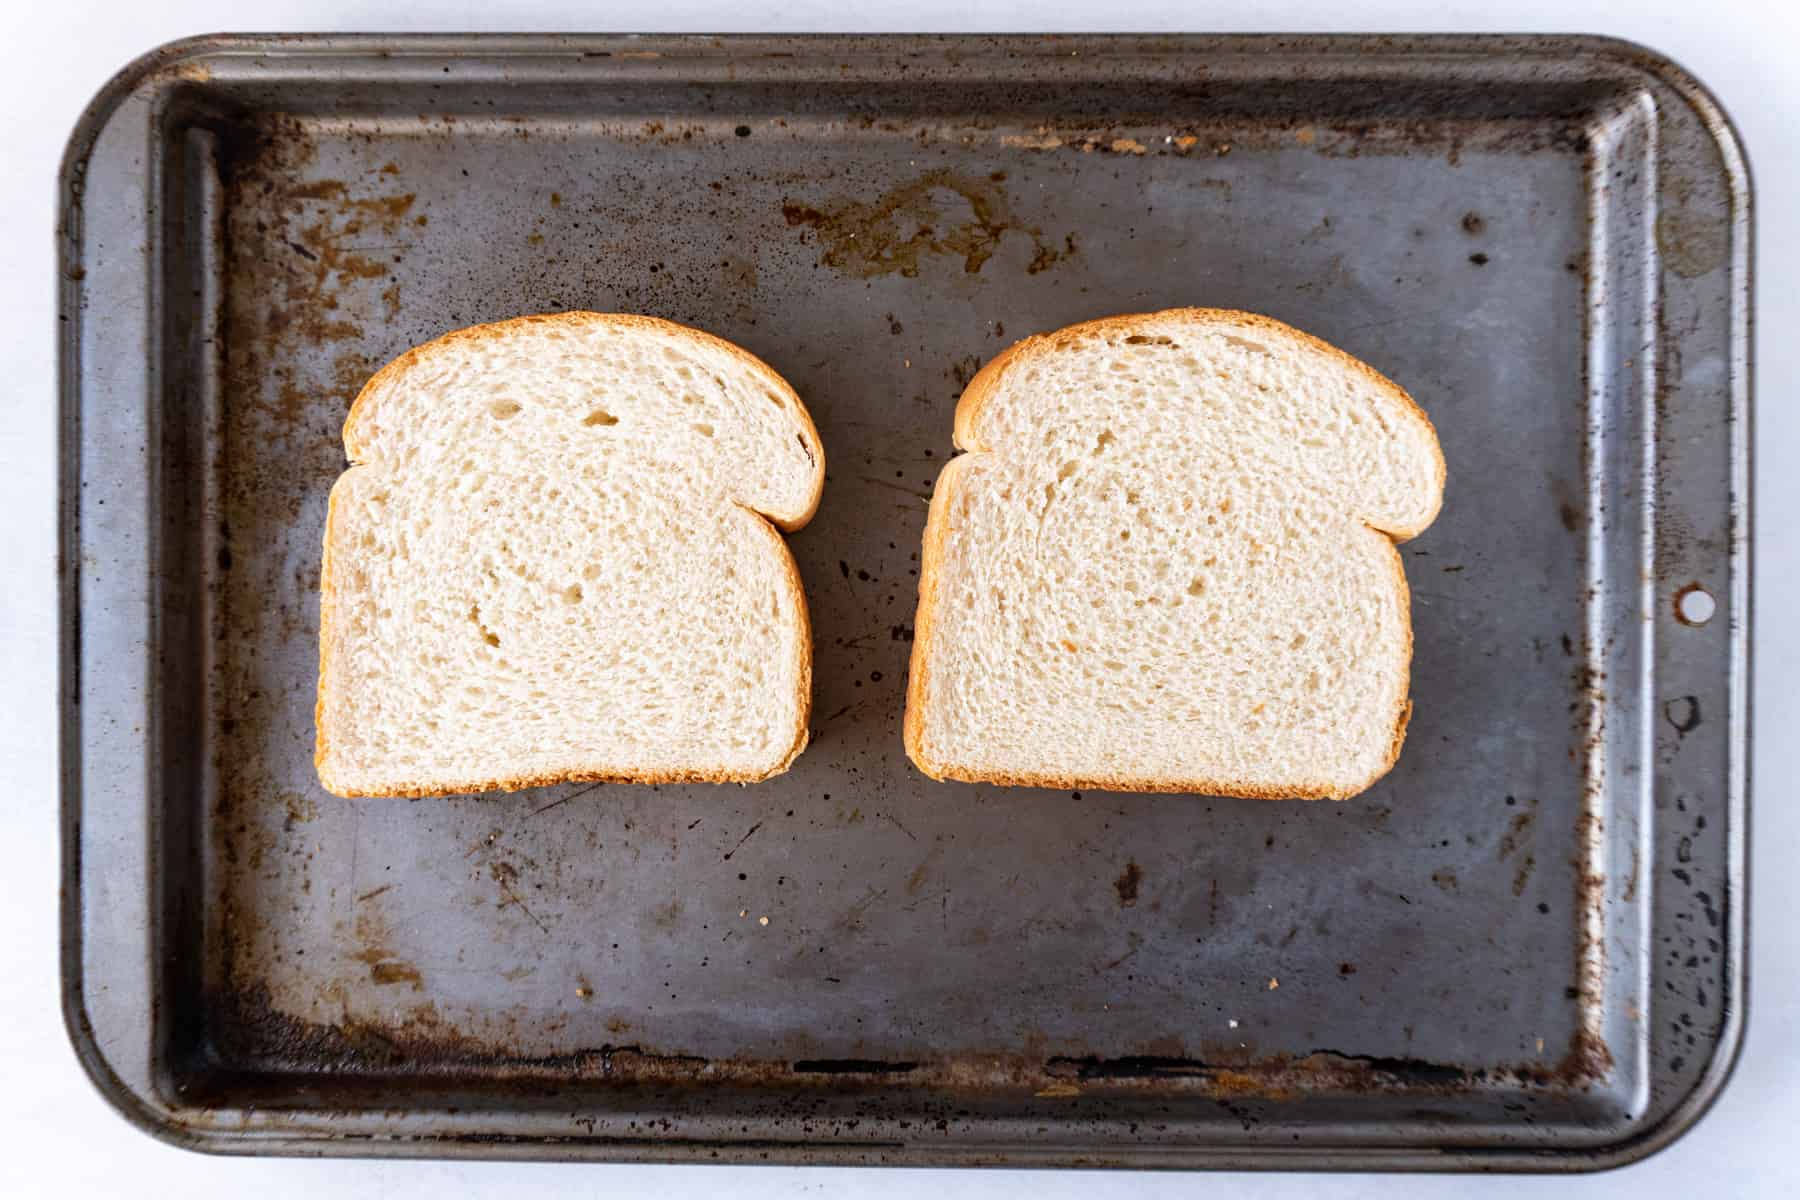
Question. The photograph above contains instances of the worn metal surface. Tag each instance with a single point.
(1522, 949)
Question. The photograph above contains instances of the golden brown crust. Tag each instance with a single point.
(918, 676)
(520, 782)
(327, 598)
(768, 523)
(981, 389)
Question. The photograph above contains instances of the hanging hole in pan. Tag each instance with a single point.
(1694, 605)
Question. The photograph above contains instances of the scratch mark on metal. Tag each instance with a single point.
(1136, 941)
(898, 487)
(571, 796)
(499, 873)
(740, 842)
(889, 817)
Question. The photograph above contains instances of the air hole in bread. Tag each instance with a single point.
(690, 398)
(572, 594)
(703, 430)
(599, 417)
(503, 410)
(1246, 344)
(1146, 339)
(487, 635)
(1105, 439)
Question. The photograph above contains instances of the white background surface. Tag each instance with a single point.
(57, 1137)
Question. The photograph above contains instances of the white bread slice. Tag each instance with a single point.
(1168, 564)
(548, 563)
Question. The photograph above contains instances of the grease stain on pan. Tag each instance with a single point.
(941, 213)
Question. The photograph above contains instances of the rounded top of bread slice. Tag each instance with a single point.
(767, 424)
(1389, 465)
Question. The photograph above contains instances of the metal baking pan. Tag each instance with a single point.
(1524, 949)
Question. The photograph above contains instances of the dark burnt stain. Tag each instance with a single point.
(299, 808)
(1522, 876)
(1445, 879)
(900, 633)
(1126, 885)
(1043, 257)
(1474, 224)
(251, 1030)
(893, 233)
(964, 369)
(298, 249)
(1682, 714)
(1479, 259)
(1568, 504)
(1279, 1077)
(1516, 833)
(852, 1066)
(1284, 1077)
(389, 971)
(1586, 680)
(1708, 909)
(1586, 1062)
(385, 967)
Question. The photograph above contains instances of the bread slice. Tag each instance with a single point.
(553, 560)
(1168, 564)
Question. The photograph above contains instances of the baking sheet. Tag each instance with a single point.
(1522, 949)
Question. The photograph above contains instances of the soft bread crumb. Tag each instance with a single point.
(1168, 564)
(551, 562)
